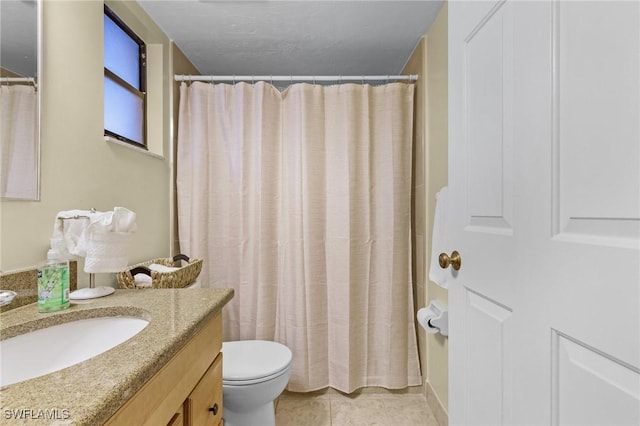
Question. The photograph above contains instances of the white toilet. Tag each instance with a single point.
(254, 373)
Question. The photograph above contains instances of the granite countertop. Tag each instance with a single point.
(90, 392)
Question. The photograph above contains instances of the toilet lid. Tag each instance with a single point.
(253, 359)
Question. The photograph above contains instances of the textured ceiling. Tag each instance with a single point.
(261, 37)
(294, 37)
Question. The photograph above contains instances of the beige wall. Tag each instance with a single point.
(436, 156)
(78, 168)
(429, 62)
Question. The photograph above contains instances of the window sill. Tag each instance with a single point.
(133, 147)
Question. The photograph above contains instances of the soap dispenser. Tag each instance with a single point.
(53, 284)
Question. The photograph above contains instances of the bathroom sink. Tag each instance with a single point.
(50, 349)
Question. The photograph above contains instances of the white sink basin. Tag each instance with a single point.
(44, 351)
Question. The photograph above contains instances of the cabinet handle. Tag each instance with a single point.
(214, 409)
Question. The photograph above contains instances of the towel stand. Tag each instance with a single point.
(92, 276)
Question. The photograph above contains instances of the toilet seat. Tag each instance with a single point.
(253, 361)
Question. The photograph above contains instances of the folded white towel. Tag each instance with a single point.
(102, 237)
(124, 220)
(438, 240)
(119, 220)
(161, 268)
(109, 237)
(69, 232)
(107, 251)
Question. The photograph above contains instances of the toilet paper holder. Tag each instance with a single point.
(434, 318)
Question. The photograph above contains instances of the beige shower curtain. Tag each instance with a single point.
(300, 201)
(18, 142)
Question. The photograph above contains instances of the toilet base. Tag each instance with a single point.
(261, 416)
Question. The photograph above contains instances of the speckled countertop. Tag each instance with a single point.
(90, 392)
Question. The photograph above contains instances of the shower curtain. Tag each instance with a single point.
(18, 142)
(300, 201)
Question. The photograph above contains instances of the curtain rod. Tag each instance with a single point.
(292, 78)
(30, 80)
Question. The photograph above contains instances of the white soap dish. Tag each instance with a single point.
(7, 296)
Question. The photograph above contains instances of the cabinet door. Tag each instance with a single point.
(178, 418)
(204, 405)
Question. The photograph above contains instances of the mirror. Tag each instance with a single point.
(19, 100)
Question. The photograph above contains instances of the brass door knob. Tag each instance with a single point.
(454, 260)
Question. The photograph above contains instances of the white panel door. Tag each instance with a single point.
(544, 177)
(481, 182)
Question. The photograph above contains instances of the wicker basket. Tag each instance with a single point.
(179, 278)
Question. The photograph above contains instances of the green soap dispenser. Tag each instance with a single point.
(53, 284)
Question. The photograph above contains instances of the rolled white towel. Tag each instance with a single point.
(161, 268)
(142, 280)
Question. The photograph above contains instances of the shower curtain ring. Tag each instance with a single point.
(234, 79)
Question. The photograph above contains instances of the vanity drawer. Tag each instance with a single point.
(204, 405)
(178, 419)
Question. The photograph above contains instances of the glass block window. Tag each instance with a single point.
(124, 81)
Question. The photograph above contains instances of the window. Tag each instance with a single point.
(124, 82)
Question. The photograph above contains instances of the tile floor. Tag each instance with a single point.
(359, 409)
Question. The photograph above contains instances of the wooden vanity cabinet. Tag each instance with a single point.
(187, 391)
(178, 418)
(204, 405)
